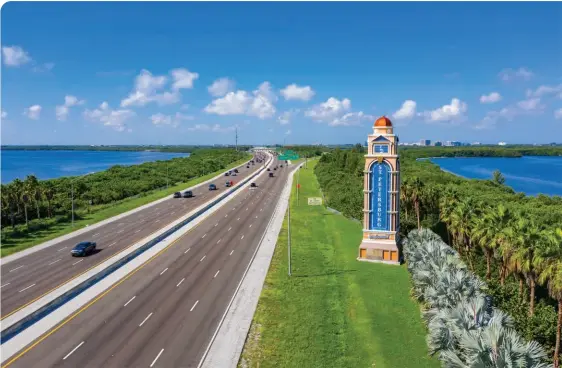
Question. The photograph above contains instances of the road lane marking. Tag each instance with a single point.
(186, 251)
(256, 216)
(250, 225)
(112, 244)
(146, 319)
(62, 249)
(219, 241)
(96, 234)
(4, 285)
(52, 263)
(172, 213)
(231, 252)
(242, 237)
(246, 208)
(17, 268)
(120, 231)
(216, 224)
(261, 210)
(72, 351)
(216, 273)
(192, 308)
(157, 356)
(137, 231)
(130, 300)
(24, 289)
(166, 269)
(238, 219)
(202, 258)
(229, 228)
(75, 263)
(179, 283)
(203, 236)
(157, 220)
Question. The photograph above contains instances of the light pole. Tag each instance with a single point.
(289, 232)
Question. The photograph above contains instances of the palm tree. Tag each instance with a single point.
(48, 191)
(416, 192)
(18, 187)
(405, 196)
(528, 254)
(462, 218)
(447, 203)
(484, 236)
(33, 191)
(551, 275)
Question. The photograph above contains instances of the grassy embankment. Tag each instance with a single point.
(333, 311)
(100, 213)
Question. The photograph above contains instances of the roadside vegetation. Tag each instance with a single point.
(510, 240)
(333, 311)
(34, 211)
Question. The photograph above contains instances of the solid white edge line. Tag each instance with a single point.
(157, 356)
(194, 305)
(73, 350)
(130, 300)
(146, 319)
(166, 269)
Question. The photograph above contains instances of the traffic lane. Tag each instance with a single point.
(55, 347)
(46, 275)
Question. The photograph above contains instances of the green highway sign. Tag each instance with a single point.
(288, 155)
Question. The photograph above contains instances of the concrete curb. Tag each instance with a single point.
(49, 243)
(31, 314)
(226, 345)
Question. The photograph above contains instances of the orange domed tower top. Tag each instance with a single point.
(383, 121)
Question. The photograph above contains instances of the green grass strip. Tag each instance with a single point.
(18, 244)
(334, 311)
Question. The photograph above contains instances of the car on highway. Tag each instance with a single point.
(187, 194)
(247, 167)
(271, 175)
(212, 187)
(280, 165)
(83, 249)
(275, 168)
(177, 195)
(226, 174)
(236, 171)
(228, 184)
(268, 169)
(253, 185)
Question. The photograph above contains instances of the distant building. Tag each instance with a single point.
(437, 144)
(425, 142)
(476, 143)
(502, 144)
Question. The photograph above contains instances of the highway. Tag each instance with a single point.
(166, 311)
(29, 278)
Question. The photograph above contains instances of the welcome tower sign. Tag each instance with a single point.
(381, 221)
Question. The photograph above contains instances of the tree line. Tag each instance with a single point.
(511, 240)
(32, 203)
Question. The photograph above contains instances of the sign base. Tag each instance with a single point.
(382, 251)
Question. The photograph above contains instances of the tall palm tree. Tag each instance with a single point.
(18, 187)
(416, 192)
(484, 236)
(528, 254)
(447, 203)
(48, 191)
(462, 218)
(405, 196)
(32, 185)
(550, 273)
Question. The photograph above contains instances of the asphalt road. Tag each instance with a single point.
(166, 312)
(29, 278)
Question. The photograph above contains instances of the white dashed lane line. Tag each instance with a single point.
(203, 236)
(146, 319)
(112, 244)
(216, 273)
(75, 263)
(166, 269)
(62, 249)
(179, 283)
(242, 237)
(194, 305)
(231, 252)
(96, 234)
(155, 359)
(73, 350)
(186, 251)
(4, 285)
(17, 268)
(120, 231)
(201, 260)
(219, 241)
(137, 231)
(52, 263)
(229, 228)
(24, 289)
(130, 300)
(216, 224)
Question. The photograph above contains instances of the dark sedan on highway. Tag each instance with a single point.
(177, 195)
(187, 194)
(212, 187)
(83, 249)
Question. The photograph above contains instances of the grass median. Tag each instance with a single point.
(13, 245)
(333, 311)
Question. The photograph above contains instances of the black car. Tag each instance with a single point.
(236, 171)
(83, 249)
(275, 168)
(226, 174)
(187, 194)
(268, 169)
(212, 187)
(280, 165)
(247, 167)
(271, 175)
(177, 195)
(253, 185)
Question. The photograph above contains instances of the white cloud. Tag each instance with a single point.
(545, 91)
(221, 87)
(491, 98)
(285, 118)
(558, 113)
(351, 118)
(62, 111)
(172, 120)
(452, 112)
(15, 56)
(147, 86)
(4, 114)
(242, 103)
(33, 112)
(183, 78)
(43, 68)
(530, 104)
(511, 74)
(212, 128)
(113, 118)
(294, 92)
(525, 107)
(329, 110)
(406, 111)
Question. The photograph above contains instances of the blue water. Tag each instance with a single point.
(54, 164)
(531, 175)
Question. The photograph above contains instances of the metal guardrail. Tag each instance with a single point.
(29, 320)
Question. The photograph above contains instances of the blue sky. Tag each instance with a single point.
(140, 73)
